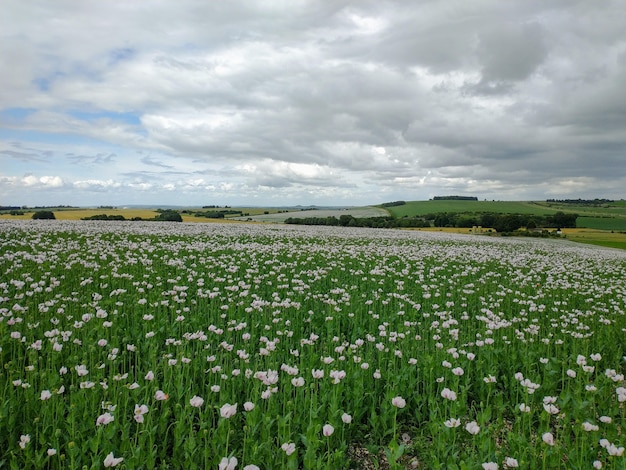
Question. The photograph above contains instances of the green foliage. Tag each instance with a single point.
(104, 217)
(393, 204)
(43, 215)
(350, 221)
(169, 216)
(455, 198)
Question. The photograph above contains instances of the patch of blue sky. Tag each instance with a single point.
(15, 114)
(121, 54)
(44, 83)
(127, 117)
(33, 136)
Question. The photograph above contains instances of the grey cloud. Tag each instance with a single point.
(510, 53)
(98, 159)
(151, 162)
(485, 94)
(24, 156)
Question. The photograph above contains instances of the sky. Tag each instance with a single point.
(328, 102)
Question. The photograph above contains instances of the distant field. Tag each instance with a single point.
(77, 214)
(281, 217)
(257, 214)
(418, 208)
(602, 223)
(597, 237)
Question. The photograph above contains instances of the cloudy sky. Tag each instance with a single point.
(329, 102)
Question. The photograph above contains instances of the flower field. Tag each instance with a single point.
(144, 345)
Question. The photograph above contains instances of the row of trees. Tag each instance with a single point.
(346, 220)
(163, 216)
(503, 222)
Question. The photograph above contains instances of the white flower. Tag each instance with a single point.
(196, 401)
(104, 419)
(548, 438)
(490, 466)
(398, 402)
(346, 418)
(472, 427)
(452, 423)
(551, 409)
(111, 461)
(510, 462)
(288, 447)
(45, 395)
(227, 410)
(448, 394)
(587, 426)
(140, 410)
(248, 406)
(24, 439)
(228, 463)
(328, 430)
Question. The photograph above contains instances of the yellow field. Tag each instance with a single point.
(77, 214)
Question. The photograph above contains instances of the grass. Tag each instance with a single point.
(602, 223)
(597, 237)
(419, 208)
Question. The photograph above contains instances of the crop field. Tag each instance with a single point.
(602, 223)
(597, 237)
(280, 217)
(419, 208)
(165, 345)
(77, 214)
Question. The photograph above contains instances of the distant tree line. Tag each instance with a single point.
(217, 214)
(104, 217)
(393, 204)
(503, 222)
(350, 221)
(581, 202)
(455, 198)
(51, 207)
(163, 216)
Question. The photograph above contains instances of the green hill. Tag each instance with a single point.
(419, 208)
